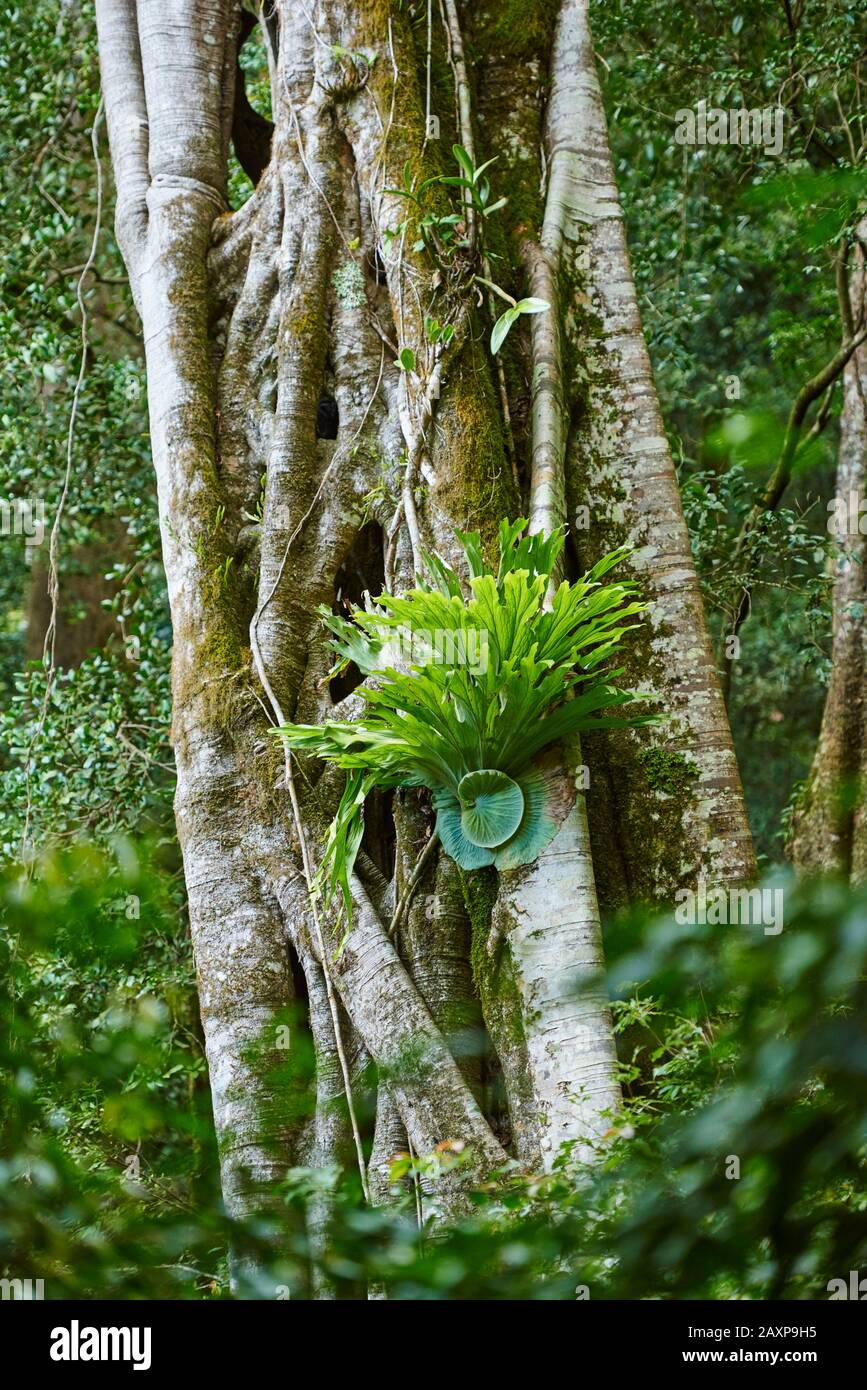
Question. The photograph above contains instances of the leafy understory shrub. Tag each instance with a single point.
(492, 681)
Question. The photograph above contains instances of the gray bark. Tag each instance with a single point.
(829, 826)
(680, 811)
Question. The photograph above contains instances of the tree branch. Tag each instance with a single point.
(126, 116)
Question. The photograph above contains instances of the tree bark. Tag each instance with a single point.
(829, 825)
(261, 323)
(548, 912)
(674, 800)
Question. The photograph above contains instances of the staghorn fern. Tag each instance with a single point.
(490, 683)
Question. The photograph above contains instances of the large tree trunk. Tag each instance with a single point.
(253, 321)
(675, 805)
(829, 826)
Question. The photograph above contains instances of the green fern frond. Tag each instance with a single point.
(469, 683)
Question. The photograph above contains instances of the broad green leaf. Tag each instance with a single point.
(471, 544)
(548, 797)
(477, 173)
(501, 329)
(492, 807)
(463, 159)
(452, 837)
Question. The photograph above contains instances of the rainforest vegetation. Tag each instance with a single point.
(433, 467)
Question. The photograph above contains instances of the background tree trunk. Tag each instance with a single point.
(829, 825)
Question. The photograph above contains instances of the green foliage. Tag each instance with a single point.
(501, 328)
(765, 1063)
(101, 1059)
(443, 233)
(730, 1044)
(436, 332)
(101, 1062)
(473, 180)
(101, 758)
(253, 61)
(490, 682)
(492, 807)
(734, 252)
(106, 1138)
(784, 661)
